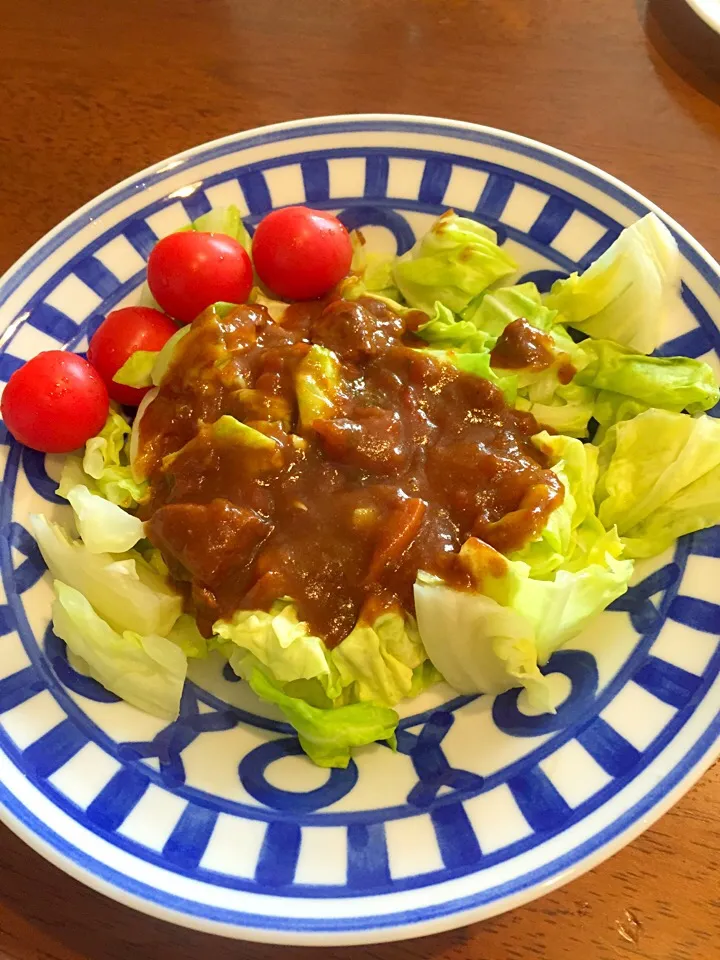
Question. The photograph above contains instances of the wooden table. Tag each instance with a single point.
(91, 92)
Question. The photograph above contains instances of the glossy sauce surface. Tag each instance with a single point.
(409, 458)
(522, 346)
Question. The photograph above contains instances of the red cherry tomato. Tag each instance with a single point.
(55, 402)
(189, 271)
(300, 254)
(120, 334)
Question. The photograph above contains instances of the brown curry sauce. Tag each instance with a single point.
(416, 457)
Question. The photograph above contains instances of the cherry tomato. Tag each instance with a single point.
(55, 402)
(300, 254)
(120, 334)
(189, 271)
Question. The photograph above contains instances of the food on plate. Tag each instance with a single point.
(407, 469)
(55, 402)
(190, 270)
(124, 345)
(300, 254)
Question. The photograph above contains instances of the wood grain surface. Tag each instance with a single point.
(91, 92)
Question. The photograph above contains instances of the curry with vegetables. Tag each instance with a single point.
(328, 458)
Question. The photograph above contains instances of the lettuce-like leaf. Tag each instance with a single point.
(568, 409)
(627, 293)
(542, 385)
(445, 332)
(575, 463)
(107, 463)
(493, 310)
(234, 430)
(282, 644)
(424, 677)
(461, 344)
(137, 369)
(557, 608)
(378, 662)
(106, 448)
(479, 364)
(165, 356)
(593, 543)
(452, 263)
(496, 637)
(138, 467)
(374, 271)
(478, 645)
(317, 382)
(695, 507)
(225, 220)
(353, 288)
(103, 526)
(328, 736)
(265, 449)
(659, 478)
(578, 464)
(672, 383)
(122, 588)
(610, 408)
(564, 406)
(185, 634)
(73, 475)
(383, 662)
(152, 556)
(555, 396)
(276, 308)
(146, 671)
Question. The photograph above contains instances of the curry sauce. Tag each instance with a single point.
(328, 458)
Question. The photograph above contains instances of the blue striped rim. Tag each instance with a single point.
(316, 179)
(668, 683)
(140, 236)
(96, 275)
(497, 190)
(608, 748)
(257, 195)
(553, 217)
(435, 179)
(395, 885)
(7, 621)
(377, 170)
(495, 195)
(188, 841)
(97, 872)
(539, 801)
(53, 749)
(367, 857)
(279, 854)
(251, 178)
(19, 687)
(69, 334)
(487, 136)
(117, 798)
(196, 204)
(459, 847)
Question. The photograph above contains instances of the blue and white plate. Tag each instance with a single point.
(217, 821)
